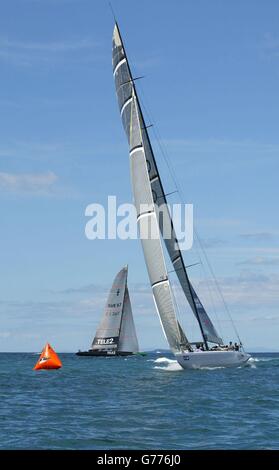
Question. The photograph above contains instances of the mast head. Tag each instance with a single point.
(116, 35)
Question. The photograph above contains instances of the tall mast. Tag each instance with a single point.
(140, 175)
(187, 285)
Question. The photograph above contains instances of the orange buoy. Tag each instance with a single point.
(48, 359)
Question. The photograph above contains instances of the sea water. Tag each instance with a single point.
(138, 403)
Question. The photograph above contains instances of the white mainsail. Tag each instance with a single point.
(148, 190)
(116, 330)
(107, 334)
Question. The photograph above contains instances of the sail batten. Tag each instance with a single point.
(141, 149)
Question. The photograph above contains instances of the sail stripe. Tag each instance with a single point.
(154, 179)
(125, 104)
(135, 149)
(159, 282)
(144, 214)
(118, 65)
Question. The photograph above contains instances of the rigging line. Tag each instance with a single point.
(218, 287)
(174, 292)
(148, 139)
(215, 311)
(158, 140)
(180, 269)
(178, 313)
(191, 325)
(132, 80)
(157, 136)
(200, 249)
(180, 193)
(166, 194)
(197, 250)
(112, 11)
(163, 152)
(209, 290)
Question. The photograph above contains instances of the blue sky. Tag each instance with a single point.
(211, 88)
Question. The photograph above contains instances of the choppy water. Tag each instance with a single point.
(138, 403)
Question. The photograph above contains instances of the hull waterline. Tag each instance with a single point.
(104, 353)
(201, 359)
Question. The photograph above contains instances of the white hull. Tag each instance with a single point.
(198, 360)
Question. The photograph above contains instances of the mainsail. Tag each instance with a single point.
(116, 330)
(148, 190)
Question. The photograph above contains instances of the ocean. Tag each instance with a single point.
(138, 403)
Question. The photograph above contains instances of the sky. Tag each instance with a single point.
(210, 89)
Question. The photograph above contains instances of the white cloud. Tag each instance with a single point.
(219, 146)
(35, 183)
(56, 46)
(220, 222)
(24, 53)
(258, 236)
(88, 289)
(260, 261)
(212, 243)
(252, 298)
(5, 334)
(249, 290)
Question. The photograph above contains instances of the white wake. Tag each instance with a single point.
(171, 365)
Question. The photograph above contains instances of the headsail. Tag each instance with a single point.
(148, 189)
(128, 339)
(108, 331)
(209, 330)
